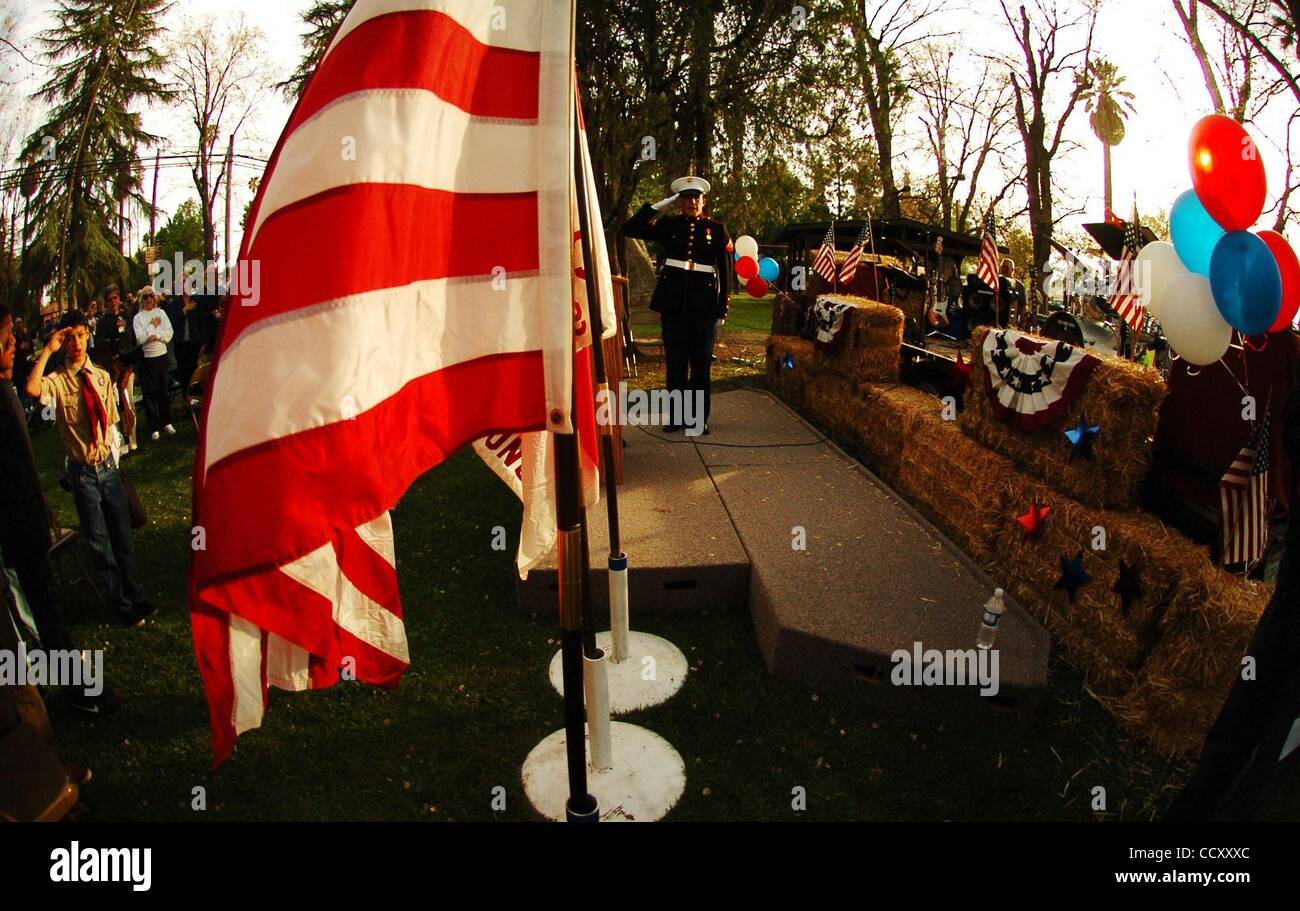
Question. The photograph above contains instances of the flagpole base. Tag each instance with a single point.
(647, 781)
(629, 691)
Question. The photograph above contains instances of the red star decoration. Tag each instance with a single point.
(1033, 520)
(961, 369)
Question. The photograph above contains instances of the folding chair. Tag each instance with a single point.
(64, 542)
(196, 390)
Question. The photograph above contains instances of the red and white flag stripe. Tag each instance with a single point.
(412, 241)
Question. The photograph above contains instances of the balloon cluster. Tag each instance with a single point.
(1218, 275)
(756, 274)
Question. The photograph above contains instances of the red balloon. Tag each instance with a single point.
(1227, 172)
(757, 287)
(746, 267)
(1290, 268)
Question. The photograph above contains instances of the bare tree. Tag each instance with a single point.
(1239, 81)
(883, 33)
(1044, 64)
(1248, 69)
(968, 127)
(1259, 24)
(222, 76)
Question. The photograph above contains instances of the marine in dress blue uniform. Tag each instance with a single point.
(694, 288)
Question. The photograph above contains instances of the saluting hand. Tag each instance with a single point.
(663, 204)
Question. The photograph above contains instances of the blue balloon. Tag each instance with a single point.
(1195, 233)
(735, 257)
(770, 271)
(1247, 283)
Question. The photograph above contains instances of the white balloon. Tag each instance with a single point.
(747, 246)
(1158, 267)
(1192, 323)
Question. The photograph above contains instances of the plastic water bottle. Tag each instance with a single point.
(993, 611)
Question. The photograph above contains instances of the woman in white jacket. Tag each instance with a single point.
(153, 330)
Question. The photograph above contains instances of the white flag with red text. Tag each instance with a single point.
(523, 461)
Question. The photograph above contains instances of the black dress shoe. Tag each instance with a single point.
(129, 617)
(673, 428)
(143, 611)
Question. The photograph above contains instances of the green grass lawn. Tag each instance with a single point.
(748, 315)
(476, 700)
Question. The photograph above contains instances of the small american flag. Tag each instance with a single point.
(824, 264)
(1126, 301)
(1243, 495)
(988, 267)
(849, 270)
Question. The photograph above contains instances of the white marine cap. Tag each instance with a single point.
(689, 184)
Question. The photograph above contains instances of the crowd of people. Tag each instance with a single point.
(78, 370)
(145, 339)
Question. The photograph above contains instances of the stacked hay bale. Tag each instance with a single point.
(955, 482)
(1122, 398)
(868, 350)
(789, 382)
(1161, 659)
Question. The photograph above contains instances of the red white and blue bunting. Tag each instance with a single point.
(1031, 383)
(828, 315)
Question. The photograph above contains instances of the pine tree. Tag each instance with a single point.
(322, 19)
(82, 161)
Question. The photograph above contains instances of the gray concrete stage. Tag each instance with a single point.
(713, 523)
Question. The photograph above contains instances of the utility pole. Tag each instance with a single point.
(230, 185)
(153, 202)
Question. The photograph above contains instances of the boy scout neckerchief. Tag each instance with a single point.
(94, 407)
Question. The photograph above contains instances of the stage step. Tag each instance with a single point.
(714, 522)
(684, 554)
(875, 576)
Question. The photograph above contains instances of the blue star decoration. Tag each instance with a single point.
(1073, 577)
(1081, 439)
(1128, 587)
(788, 363)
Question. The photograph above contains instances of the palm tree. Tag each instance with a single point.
(1109, 104)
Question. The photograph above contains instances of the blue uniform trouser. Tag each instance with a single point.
(688, 355)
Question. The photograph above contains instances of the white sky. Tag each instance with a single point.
(1142, 37)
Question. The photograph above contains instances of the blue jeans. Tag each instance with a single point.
(106, 528)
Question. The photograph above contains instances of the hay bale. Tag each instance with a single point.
(1173, 719)
(953, 481)
(1104, 639)
(1208, 629)
(789, 384)
(883, 421)
(1121, 397)
(868, 349)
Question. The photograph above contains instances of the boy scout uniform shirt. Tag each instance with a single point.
(690, 239)
(63, 389)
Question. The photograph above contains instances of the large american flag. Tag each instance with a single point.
(824, 264)
(987, 270)
(413, 235)
(1126, 301)
(849, 270)
(1243, 496)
